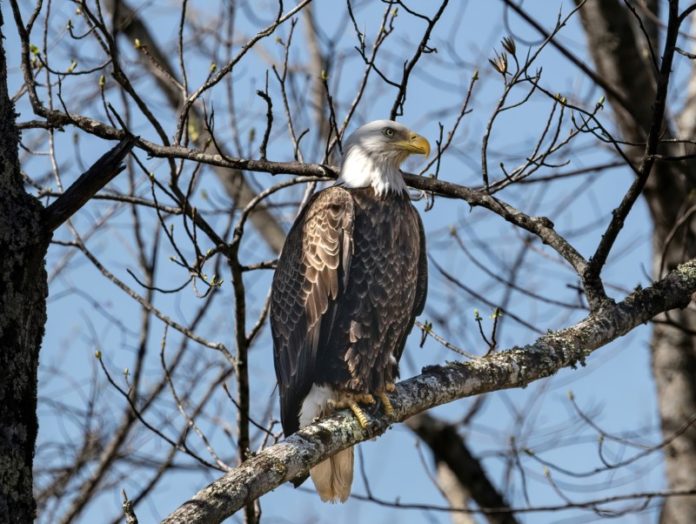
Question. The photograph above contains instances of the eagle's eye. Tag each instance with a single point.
(388, 132)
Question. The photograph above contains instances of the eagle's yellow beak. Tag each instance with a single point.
(416, 144)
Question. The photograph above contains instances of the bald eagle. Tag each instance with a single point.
(350, 281)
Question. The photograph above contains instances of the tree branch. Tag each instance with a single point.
(232, 180)
(88, 184)
(540, 226)
(437, 385)
(577, 62)
(594, 268)
(616, 52)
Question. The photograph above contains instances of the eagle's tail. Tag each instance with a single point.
(334, 477)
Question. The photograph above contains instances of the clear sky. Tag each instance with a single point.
(615, 387)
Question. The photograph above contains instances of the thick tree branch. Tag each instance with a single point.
(540, 226)
(23, 292)
(88, 184)
(437, 385)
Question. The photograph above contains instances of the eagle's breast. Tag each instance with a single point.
(375, 311)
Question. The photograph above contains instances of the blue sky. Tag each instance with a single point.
(615, 386)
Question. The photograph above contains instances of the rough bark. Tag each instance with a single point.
(458, 469)
(23, 289)
(25, 231)
(686, 119)
(616, 51)
(437, 385)
(618, 60)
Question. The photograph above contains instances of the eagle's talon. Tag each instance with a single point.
(359, 414)
(350, 401)
(388, 408)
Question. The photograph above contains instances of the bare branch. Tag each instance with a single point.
(88, 184)
(593, 286)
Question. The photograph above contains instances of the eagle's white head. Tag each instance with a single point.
(374, 153)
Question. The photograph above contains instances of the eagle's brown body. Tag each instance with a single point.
(350, 281)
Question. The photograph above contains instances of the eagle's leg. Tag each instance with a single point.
(364, 398)
(388, 408)
(390, 387)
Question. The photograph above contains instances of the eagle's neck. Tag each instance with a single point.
(378, 170)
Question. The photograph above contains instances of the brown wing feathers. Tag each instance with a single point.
(313, 264)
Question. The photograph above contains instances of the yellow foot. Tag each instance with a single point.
(350, 400)
(390, 387)
(359, 414)
(388, 408)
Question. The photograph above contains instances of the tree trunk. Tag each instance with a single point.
(460, 475)
(674, 368)
(23, 289)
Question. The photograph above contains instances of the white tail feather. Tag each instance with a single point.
(333, 477)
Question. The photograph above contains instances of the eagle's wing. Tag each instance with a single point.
(421, 282)
(312, 271)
